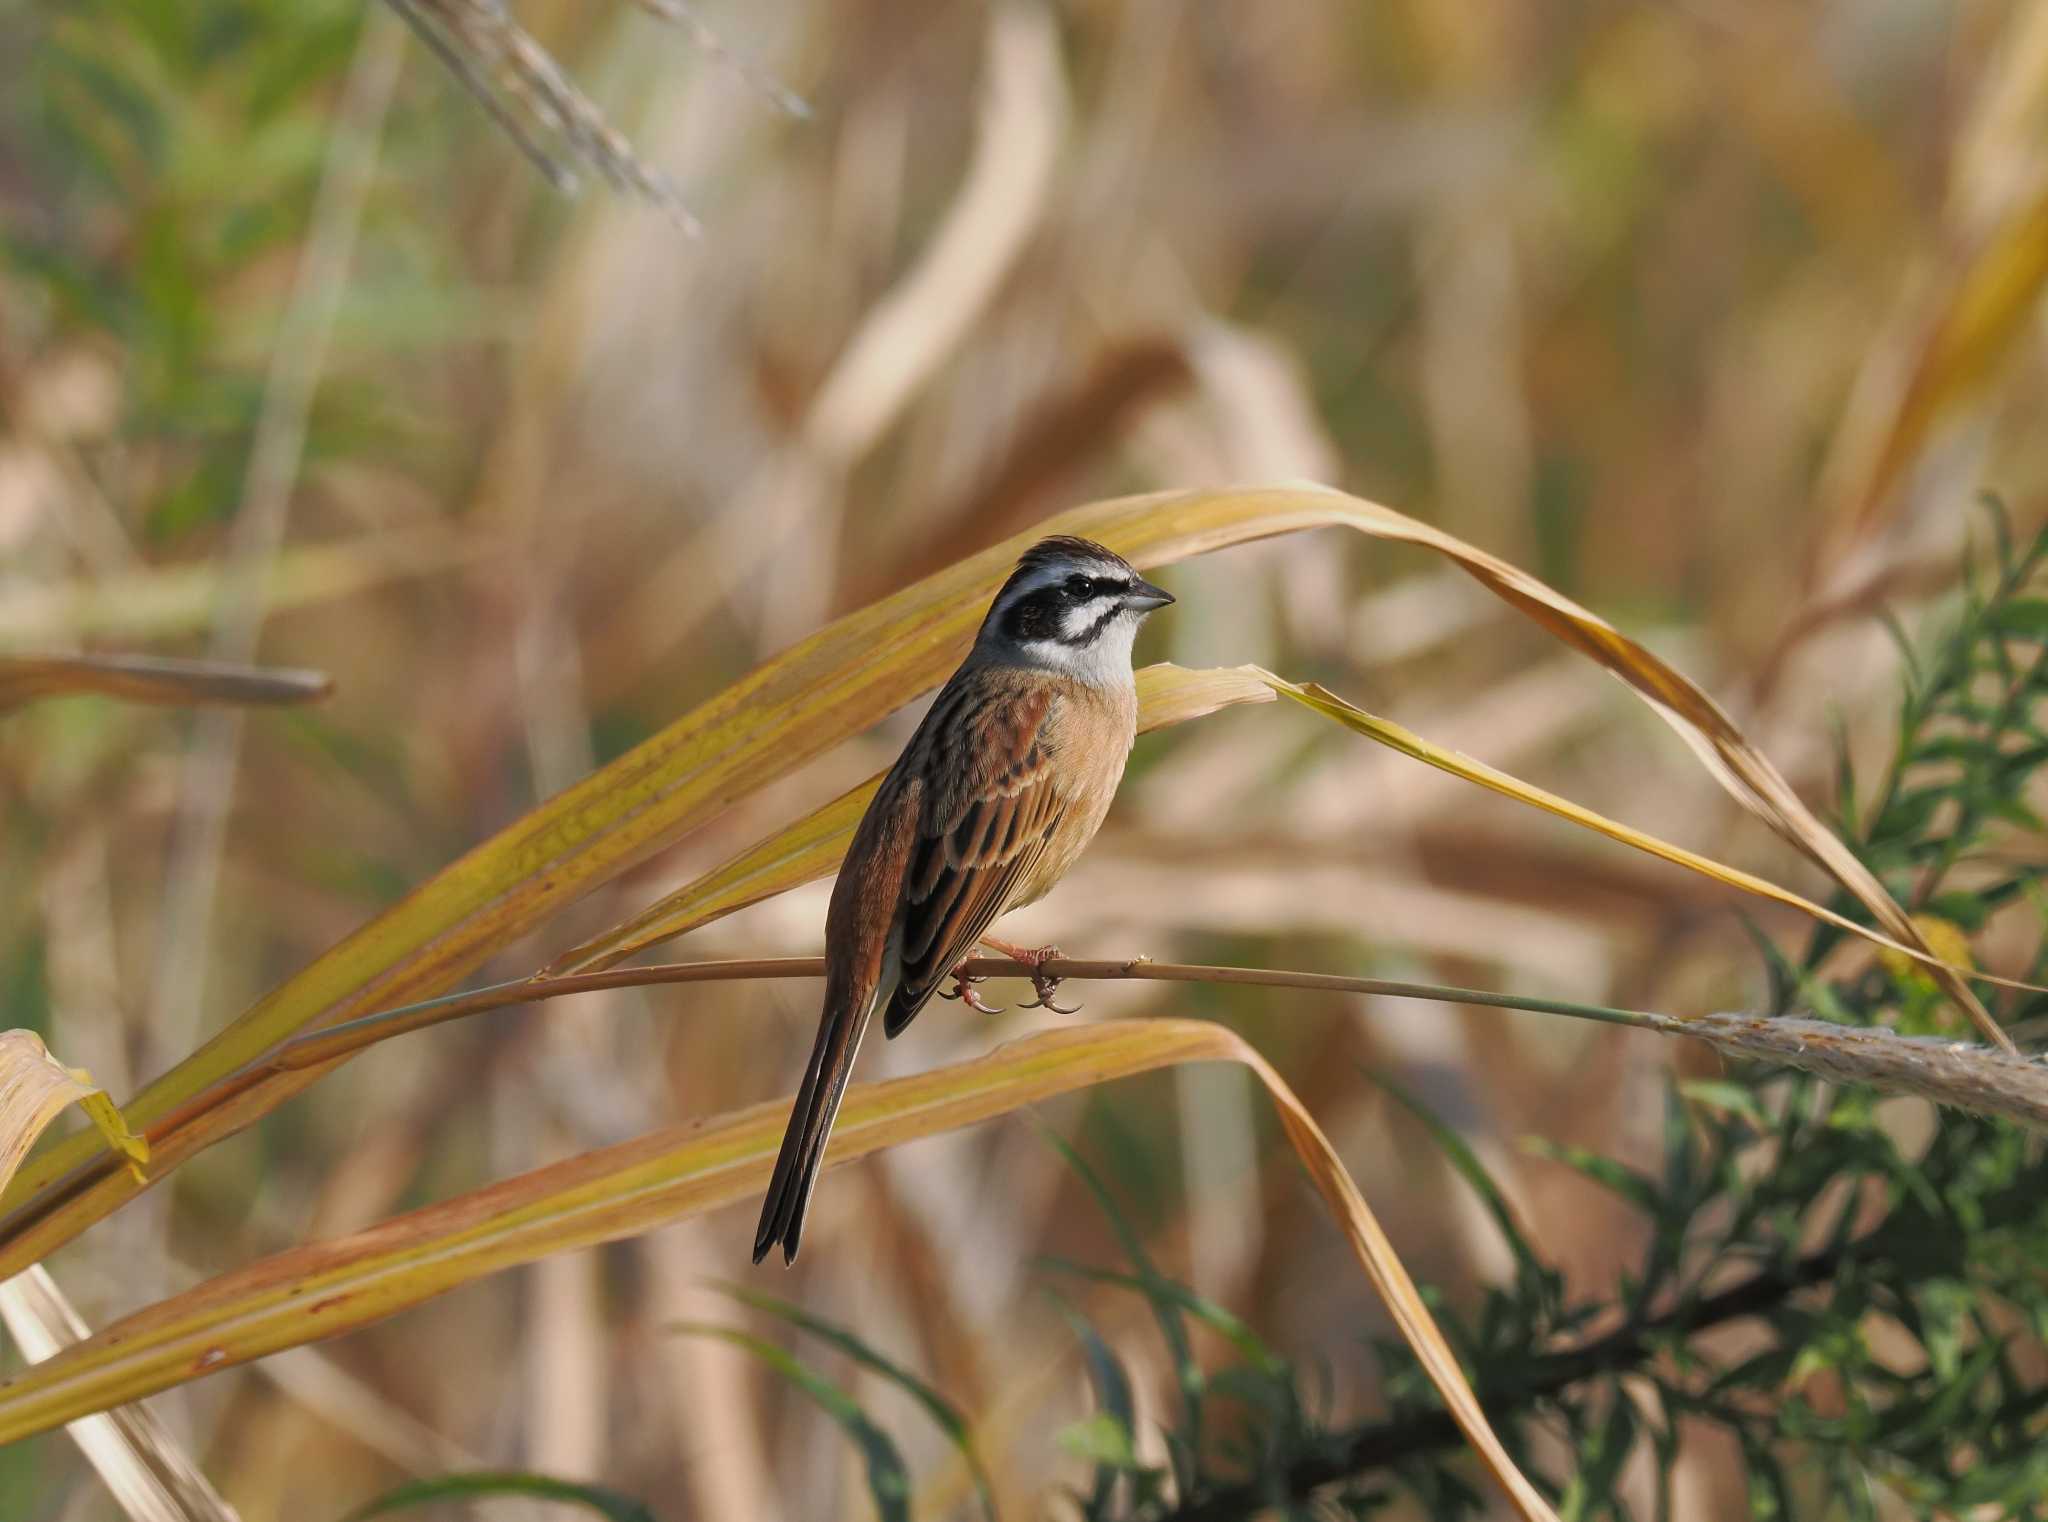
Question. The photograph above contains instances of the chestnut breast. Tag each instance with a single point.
(1088, 731)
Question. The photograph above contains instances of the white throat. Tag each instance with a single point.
(1105, 661)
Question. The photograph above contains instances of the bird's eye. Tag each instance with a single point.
(1078, 586)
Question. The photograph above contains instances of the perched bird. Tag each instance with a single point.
(1002, 786)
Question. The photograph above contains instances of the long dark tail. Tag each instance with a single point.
(840, 1028)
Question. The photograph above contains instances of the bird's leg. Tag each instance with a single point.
(963, 988)
(1044, 985)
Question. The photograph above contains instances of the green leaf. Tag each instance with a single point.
(1112, 1386)
(1601, 1455)
(1624, 1181)
(888, 1479)
(1729, 1098)
(1459, 1154)
(944, 1414)
(1101, 1439)
(2023, 616)
(609, 1504)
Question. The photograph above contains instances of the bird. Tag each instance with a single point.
(999, 790)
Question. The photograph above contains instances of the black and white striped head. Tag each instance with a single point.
(1073, 606)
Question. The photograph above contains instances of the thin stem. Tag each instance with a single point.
(338, 1041)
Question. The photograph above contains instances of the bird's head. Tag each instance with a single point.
(1071, 605)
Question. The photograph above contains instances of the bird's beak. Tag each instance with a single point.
(1145, 597)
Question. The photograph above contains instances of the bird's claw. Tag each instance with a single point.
(1043, 983)
(1046, 987)
(963, 989)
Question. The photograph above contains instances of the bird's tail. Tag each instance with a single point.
(840, 1028)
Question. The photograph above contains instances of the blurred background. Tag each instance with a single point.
(1714, 313)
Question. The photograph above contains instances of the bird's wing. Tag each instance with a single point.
(979, 835)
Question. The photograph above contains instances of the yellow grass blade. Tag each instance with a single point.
(838, 681)
(334, 1287)
(1321, 700)
(155, 679)
(813, 846)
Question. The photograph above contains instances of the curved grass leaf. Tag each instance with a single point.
(609, 1504)
(888, 1479)
(944, 1414)
(329, 1288)
(34, 1087)
(813, 846)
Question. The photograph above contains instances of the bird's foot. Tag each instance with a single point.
(1043, 983)
(963, 989)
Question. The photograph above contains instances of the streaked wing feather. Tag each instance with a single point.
(977, 844)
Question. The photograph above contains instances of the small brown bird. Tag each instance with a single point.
(1001, 788)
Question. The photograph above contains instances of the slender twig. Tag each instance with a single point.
(1961, 1074)
(338, 1041)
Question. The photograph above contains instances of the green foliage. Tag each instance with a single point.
(1890, 1297)
(171, 156)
